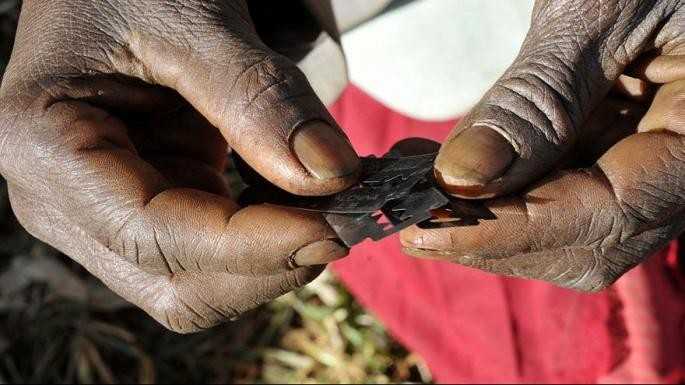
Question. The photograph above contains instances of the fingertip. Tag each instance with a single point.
(318, 253)
(414, 146)
(473, 159)
(417, 239)
(306, 185)
(273, 239)
(408, 237)
(320, 161)
(324, 151)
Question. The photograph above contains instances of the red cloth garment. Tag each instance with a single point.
(471, 326)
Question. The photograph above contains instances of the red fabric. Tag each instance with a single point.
(474, 327)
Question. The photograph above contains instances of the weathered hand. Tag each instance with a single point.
(116, 119)
(579, 94)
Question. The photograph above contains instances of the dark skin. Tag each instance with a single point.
(117, 115)
(580, 142)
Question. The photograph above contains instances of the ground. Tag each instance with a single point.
(54, 327)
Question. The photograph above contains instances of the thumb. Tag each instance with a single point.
(532, 117)
(262, 104)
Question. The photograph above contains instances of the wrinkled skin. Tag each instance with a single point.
(588, 122)
(116, 118)
(115, 123)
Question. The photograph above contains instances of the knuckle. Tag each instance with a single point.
(174, 313)
(538, 94)
(150, 246)
(37, 127)
(649, 193)
(269, 78)
(633, 205)
(653, 201)
(183, 305)
(69, 21)
(532, 114)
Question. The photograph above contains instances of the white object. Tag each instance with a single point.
(434, 59)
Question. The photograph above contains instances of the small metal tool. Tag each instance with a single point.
(393, 193)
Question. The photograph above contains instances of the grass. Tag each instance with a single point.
(59, 325)
(57, 334)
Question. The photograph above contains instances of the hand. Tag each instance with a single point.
(115, 124)
(580, 94)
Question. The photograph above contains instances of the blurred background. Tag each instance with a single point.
(59, 325)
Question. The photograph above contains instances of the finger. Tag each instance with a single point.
(524, 224)
(183, 302)
(196, 302)
(415, 146)
(262, 104)
(666, 111)
(579, 229)
(81, 155)
(533, 115)
(659, 69)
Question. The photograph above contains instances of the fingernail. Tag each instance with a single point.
(324, 151)
(319, 253)
(474, 158)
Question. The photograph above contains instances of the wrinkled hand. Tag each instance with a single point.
(580, 94)
(116, 119)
